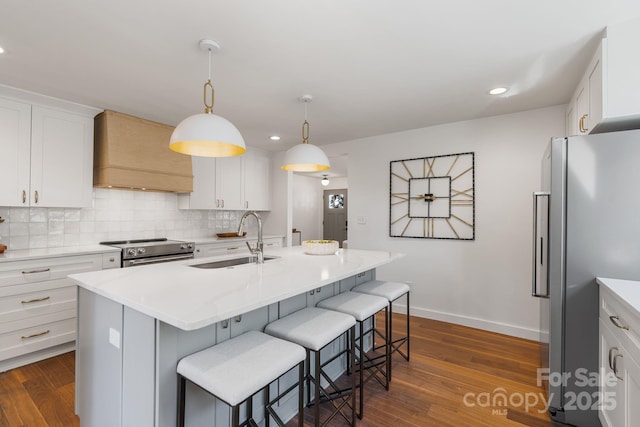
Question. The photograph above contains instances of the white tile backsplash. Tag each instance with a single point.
(115, 215)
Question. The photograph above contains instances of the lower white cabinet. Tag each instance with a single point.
(619, 363)
(38, 306)
(232, 247)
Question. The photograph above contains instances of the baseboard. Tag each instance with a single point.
(472, 322)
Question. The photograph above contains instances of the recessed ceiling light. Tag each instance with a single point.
(498, 91)
(274, 138)
(1, 49)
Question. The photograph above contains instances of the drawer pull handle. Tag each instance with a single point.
(615, 366)
(233, 249)
(24, 197)
(24, 337)
(238, 319)
(112, 260)
(42, 270)
(225, 324)
(35, 300)
(615, 321)
(611, 350)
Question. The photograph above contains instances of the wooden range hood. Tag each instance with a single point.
(133, 153)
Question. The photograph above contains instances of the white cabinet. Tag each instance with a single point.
(217, 184)
(608, 95)
(619, 362)
(229, 183)
(38, 306)
(257, 168)
(47, 156)
(585, 108)
(234, 246)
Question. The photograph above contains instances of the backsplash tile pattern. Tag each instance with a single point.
(115, 215)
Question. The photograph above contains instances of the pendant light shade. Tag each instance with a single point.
(305, 157)
(206, 134)
(324, 181)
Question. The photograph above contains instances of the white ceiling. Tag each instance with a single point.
(372, 66)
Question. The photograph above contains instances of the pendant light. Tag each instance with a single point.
(305, 157)
(324, 181)
(206, 134)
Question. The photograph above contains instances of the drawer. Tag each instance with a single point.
(30, 339)
(612, 306)
(111, 260)
(237, 247)
(20, 272)
(271, 243)
(37, 303)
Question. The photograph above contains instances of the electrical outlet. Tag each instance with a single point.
(361, 219)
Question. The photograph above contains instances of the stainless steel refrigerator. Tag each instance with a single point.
(586, 224)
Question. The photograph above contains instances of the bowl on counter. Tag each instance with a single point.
(320, 247)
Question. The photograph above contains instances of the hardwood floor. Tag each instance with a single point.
(448, 362)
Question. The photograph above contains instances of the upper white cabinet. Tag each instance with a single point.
(229, 183)
(608, 95)
(47, 156)
(256, 181)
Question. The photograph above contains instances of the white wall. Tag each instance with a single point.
(307, 206)
(484, 283)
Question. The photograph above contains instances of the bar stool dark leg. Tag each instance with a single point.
(235, 416)
(182, 384)
(352, 339)
(301, 395)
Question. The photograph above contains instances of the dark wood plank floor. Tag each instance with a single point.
(448, 362)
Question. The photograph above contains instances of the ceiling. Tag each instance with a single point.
(372, 66)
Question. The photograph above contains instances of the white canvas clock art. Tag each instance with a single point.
(433, 197)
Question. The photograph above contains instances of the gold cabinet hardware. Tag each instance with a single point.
(616, 321)
(42, 270)
(235, 248)
(615, 366)
(35, 300)
(24, 337)
(35, 196)
(24, 197)
(581, 124)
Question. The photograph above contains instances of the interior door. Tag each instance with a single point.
(335, 215)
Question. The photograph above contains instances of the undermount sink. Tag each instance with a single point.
(231, 262)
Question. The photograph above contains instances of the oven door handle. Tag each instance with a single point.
(159, 259)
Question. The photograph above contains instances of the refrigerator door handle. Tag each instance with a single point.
(540, 276)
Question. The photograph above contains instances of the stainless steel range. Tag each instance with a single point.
(152, 251)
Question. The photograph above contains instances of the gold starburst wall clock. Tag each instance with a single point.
(433, 197)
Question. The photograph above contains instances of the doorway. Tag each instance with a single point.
(334, 220)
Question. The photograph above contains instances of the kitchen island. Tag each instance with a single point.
(134, 325)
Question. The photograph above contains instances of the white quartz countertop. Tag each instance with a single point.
(27, 254)
(191, 298)
(627, 290)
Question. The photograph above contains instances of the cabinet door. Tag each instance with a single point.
(256, 182)
(612, 390)
(229, 183)
(15, 140)
(595, 91)
(61, 159)
(632, 377)
(204, 185)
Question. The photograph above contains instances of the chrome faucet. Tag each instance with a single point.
(259, 249)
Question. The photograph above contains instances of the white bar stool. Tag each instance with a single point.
(362, 307)
(235, 370)
(314, 329)
(391, 291)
